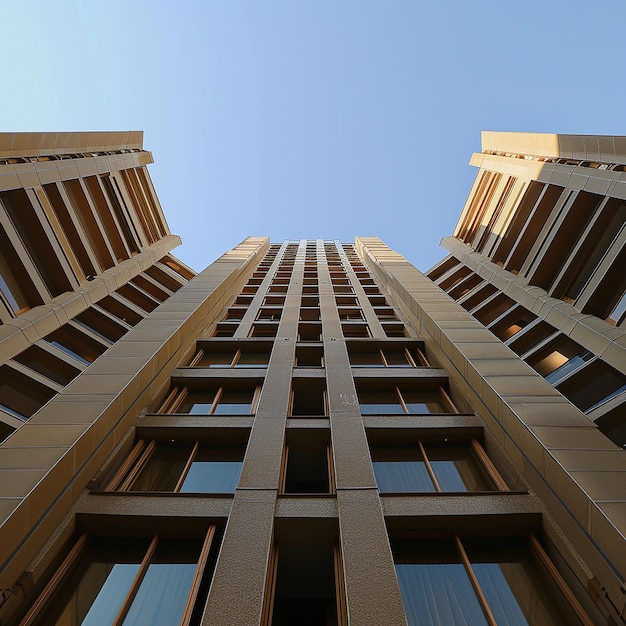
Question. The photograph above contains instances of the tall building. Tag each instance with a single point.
(313, 432)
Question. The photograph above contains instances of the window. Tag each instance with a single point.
(150, 286)
(346, 301)
(310, 302)
(309, 356)
(221, 401)
(310, 314)
(618, 314)
(36, 241)
(354, 329)
(243, 300)
(264, 329)
(396, 401)
(16, 285)
(308, 397)
(274, 289)
(307, 465)
(388, 356)
(558, 359)
(138, 297)
(225, 329)
(443, 580)
(385, 313)
(120, 310)
(158, 273)
(274, 301)
(511, 323)
(593, 385)
(394, 329)
(425, 467)
(445, 265)
(350, 314)
(101, 324)
(465, 286)
(304, 582)
(343, 289)
(47, 365)
(494, 308)
(137, 580)
(229, 356)
(180, 467)
(533, 334)
(21, 396)
(309, 332)
(235, 314)
(76, 344)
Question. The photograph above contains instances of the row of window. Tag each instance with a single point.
(582, 231)
(308, 399)
(443, 579)
(214, 467)
(583, 378)
(96, 222)
(270, 313)
(257, 354)
(34, 376)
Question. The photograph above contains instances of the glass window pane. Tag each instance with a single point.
(197, 404)
(456, 469)
(517, 590)
(100, 594)
(423, 401)
(212, 477)
(253, 359)
(438, 594)
(163, 469)
(162, 596)
(366, 359)
(234, 403)
(569, 366)
(216, 359)
(402, 476)
(500, 597)
(380, 402)
(396, 359)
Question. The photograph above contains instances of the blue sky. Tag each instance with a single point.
(313, 119)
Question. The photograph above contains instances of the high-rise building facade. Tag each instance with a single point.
(315, 432)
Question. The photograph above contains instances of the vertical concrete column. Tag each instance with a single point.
(371, 318)
(236, 596)
(245, 325)
(372, 593)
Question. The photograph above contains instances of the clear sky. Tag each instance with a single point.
(305, 118)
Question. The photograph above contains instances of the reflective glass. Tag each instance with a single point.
(212, 477)
(438, 594)
(216, 359)
(380, 403)
(197, 404)
(455, 469)
(569, 366)
(234, 403)
(396, 359)
(366, 359)
(104, 606)
(162, 596)
(402, 476)
(253, 359)
(423, 401)
(516, 588)
(163, 469)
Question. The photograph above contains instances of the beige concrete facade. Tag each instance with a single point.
(318, 370)
(541, 242)
(84, 255)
